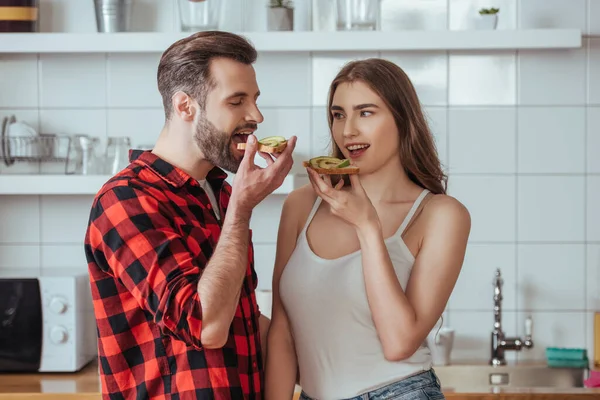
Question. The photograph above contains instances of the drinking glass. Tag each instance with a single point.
(357, 15)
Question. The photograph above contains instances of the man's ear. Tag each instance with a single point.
(184, 106)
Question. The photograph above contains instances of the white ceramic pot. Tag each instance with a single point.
(487, 21)
(280, 19)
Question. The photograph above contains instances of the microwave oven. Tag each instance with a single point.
(47, 321)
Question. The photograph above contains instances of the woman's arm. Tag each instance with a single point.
(404, 319)
(282, 363)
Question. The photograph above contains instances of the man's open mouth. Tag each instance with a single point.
(241, 136)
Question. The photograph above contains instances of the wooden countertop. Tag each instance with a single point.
(85, 385)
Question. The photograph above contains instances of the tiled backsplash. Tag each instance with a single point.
(518, 131)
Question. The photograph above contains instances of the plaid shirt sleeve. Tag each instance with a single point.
(144, 251)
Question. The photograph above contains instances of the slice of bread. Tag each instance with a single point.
(332, 171)
(265, 149)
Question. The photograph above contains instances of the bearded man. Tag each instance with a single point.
(168, 243)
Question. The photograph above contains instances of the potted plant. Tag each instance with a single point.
(488, 18)
(280, 15)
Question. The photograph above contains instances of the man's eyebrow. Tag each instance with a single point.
(241, 94)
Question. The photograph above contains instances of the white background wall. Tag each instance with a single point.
(518, 131)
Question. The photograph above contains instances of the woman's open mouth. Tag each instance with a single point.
(357, 150)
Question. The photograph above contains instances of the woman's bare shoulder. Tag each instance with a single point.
(442, 209)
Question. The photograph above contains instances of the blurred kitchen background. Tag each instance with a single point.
(517, 129)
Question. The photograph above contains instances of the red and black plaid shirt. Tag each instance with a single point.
(151, 233)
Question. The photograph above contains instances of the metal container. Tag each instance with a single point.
(113, 15)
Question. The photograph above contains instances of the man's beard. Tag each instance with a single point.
(216, 145)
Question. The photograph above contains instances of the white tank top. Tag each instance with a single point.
(339, 352)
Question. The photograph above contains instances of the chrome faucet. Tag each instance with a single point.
(500, 343)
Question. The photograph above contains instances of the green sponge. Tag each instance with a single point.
(566, 358)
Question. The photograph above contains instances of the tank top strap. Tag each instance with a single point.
(313, 211)
(412, 211)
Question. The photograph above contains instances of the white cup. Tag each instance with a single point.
(440, 344)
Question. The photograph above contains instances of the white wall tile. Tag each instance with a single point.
(398, 15)
(283, 79)
(482, 140)
(482, 78)
(19, 256)
(67, 16)
(540, 14)
(64, 220)
(287, 122)
(593, 277)
(552, 329)
(593, 84)
(551, 208)
(60, 87)
(64, 255)
(594, 17)
(437, 119)
(464, 13)
(593, 139)
(552, 77)
(593, 208)
(474, 289)
(132, 80)
(491, 203)
(18, 80)
(264, 262)
(473, 331)
(70, 122)
(428, 73)
(265, 220)
(321, 135)
(20, 216)
(324, 69)
(539, 265)
(551, 140)
(142, 126)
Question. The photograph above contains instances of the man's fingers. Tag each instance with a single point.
(267, 157)
(250, 151)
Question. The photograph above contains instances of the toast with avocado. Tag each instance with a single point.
(324, 165)
(271, 144)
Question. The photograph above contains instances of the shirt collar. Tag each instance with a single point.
(170, 173)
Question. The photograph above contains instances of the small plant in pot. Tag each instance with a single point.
(280, 15)
(488, 18)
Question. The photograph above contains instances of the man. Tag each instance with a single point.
(168, 243)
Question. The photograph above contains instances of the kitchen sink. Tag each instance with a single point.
(486, 376)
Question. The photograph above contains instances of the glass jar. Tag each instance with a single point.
(199, 15)
(357, 15)
(117, 154)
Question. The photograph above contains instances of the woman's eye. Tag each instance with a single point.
(365, 113)
(337, 115)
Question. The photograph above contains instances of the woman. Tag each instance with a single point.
(365, 266)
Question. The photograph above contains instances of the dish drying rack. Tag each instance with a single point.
(35, 148)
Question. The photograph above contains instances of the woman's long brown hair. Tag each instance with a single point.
(418, 152)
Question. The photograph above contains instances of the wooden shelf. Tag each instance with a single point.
(90, 184)
(301, 41)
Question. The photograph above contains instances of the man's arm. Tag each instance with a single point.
(221, 281)
(220, 284)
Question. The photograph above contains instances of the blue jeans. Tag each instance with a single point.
(423, 386)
